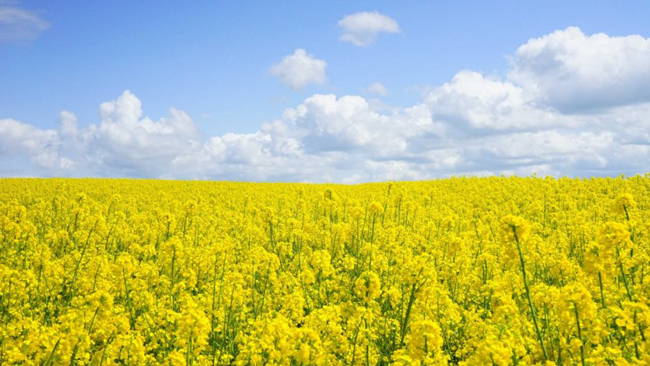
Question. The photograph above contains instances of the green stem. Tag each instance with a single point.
(627, 287)
(582, 346)
(602, 296)
(76, 268)
(171, 287)
(530, 301)
(128, 301)
(92, 321)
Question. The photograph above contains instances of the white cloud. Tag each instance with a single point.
(123, 143)
(128, 144)
(575, 72)
(480, 102)
(556, 148)
(41, 147)
(377, 88)
(325, 123)
(300, 69)
(68, 124)
(20, 25)
(361, 29)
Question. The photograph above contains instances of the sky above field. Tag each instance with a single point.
(324, 91)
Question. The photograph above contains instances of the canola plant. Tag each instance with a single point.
(470, 271)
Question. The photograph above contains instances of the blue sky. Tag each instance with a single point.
(240, 118)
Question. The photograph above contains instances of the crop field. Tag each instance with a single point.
(466, 271)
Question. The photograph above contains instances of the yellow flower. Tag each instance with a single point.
(514, 227)
(375, 208)
(614, 233)
(575, 346)
(302, 355)
(368, 286)
(624, 204)
(426, 338)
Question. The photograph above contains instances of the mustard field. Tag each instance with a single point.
(471, 271)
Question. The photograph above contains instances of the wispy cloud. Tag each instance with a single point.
(19, 25)
(378, 89)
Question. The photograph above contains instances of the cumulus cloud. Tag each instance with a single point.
(300, 69)
(574, 72)
(476, 101)
(41, 147)
(123, 143)
(378, 89)
(325, 123)
(361, 29)
(20, 25)
(130, 144)
(474, 124)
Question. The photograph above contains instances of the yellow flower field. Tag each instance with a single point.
(468, 271)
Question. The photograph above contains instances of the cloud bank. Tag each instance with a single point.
(572, 104)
